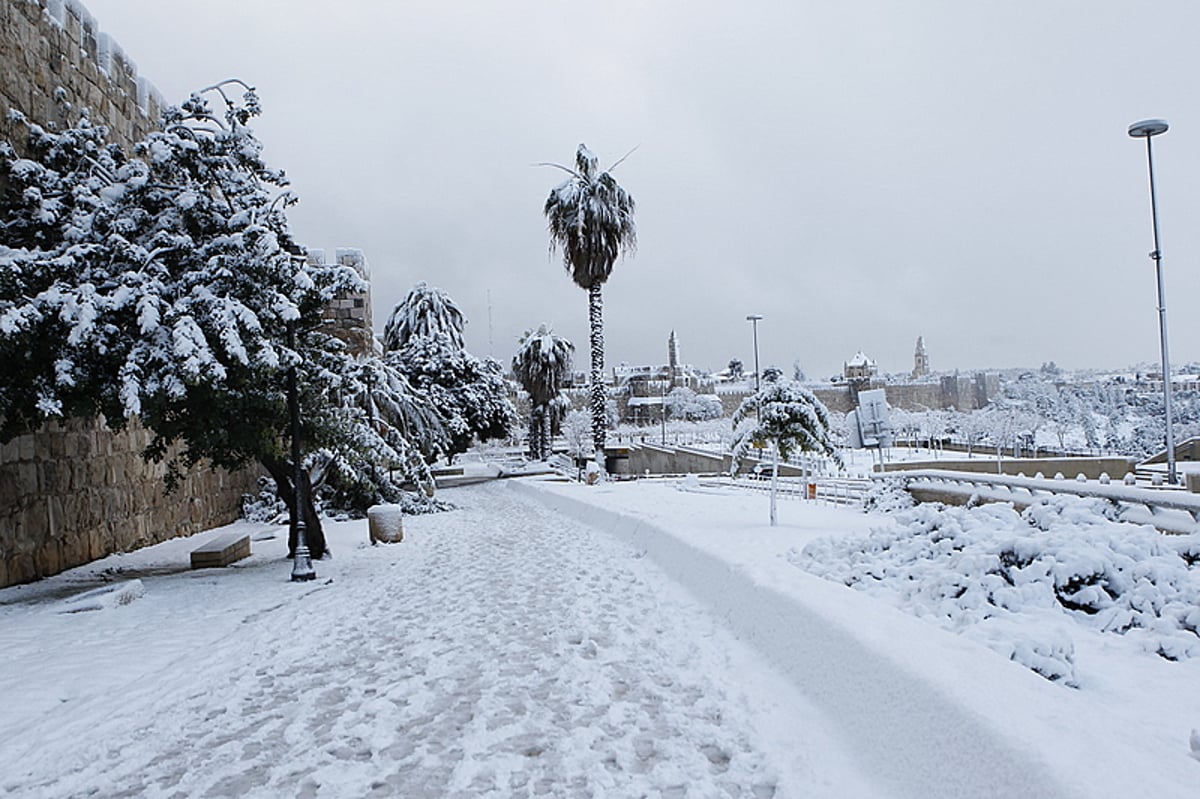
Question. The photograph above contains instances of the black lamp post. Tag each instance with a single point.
(1147, 129)
(302, 568)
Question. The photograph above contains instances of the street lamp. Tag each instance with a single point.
(1147, 129)
(753, 319)
(302, 568)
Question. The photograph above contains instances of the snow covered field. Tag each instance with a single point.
(547, 639)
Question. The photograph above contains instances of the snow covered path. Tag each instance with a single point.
(502, 650)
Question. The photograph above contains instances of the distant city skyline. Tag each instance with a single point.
(859, 173)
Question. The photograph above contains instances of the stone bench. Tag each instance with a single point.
(221, 551)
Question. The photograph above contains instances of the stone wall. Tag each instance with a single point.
(75, 491)
(53, 51)
(949, 392)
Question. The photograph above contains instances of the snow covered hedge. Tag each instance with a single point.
(1022, 582)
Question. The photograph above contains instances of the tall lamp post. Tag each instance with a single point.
(1147, 129)
(302, 568)
(753, 319)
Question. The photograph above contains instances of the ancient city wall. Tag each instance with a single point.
(74, 492)
(52, 45)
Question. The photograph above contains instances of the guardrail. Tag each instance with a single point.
(833, 490)
(1169, 511)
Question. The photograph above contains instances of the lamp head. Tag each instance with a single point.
(1147, 128)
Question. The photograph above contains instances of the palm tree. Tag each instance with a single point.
(426, 312)
(591, 220)
(541, 365)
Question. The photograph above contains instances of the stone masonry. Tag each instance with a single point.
(53, 51)
(74, 491)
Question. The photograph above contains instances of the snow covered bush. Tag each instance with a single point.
(887, 496)
(1022, 582)
(265, 506)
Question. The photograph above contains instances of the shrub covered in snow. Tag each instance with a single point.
(1022, 582)
(887, 496)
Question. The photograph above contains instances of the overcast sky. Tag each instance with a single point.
(858, 172)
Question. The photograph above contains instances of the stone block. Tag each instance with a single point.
(221, 551)
(49, 558)
(22, 569)
(74, 551)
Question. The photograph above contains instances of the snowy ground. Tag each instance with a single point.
(667, 647)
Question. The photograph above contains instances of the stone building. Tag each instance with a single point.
(860, 367)
(349, 317)
(920, 360)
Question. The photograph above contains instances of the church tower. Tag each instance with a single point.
(920, 359)
(673, 357)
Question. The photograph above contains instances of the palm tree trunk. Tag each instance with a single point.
(547, 433)
(596, 319)
(535, 434)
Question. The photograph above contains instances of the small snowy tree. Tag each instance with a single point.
(469, 394)
(684, 403)
(786, 416)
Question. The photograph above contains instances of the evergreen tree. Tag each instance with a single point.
(162, 285)
(786, 416)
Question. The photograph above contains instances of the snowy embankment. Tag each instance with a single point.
(926, 713)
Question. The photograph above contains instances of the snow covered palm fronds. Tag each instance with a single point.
(591, 220)
(1021, 582)
(425, 312)
(541, 366)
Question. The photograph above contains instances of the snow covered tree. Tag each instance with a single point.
(684, 403)
(541, 366)
(786, 416)
(162, 285)
(425, 312)
(590, 218)
(423, 338)
(736, 369)
(469, 394)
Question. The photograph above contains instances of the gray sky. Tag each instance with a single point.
(859, 172)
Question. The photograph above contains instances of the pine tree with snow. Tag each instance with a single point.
(541, 366)
(162, 285)
(590, 218)
(786, 416)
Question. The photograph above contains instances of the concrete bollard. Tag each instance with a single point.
(385, 523)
